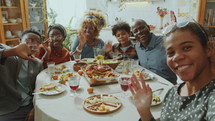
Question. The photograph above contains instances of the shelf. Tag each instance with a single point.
(35, 7)
(12, 39)
(35, 22)
(10, 24)
(9, 7)
(211, 1)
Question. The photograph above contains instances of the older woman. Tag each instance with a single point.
(88, 35)
(188, 55)
(52, 49)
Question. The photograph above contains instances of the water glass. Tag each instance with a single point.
(98, 51)
(51, 68)
(134, 63)
(126, 64)
(115, 55)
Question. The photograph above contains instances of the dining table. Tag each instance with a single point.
(64, 107)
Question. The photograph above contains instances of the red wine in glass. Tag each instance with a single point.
(77, 60)
(74, 87)
(124, 86)
(124, 83)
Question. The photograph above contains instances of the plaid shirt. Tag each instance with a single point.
(130, 51)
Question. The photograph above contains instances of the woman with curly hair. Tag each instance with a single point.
(89, 30)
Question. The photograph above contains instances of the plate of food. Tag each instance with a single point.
(102, 104)
(99, 74)
(147, 76)
(112, 63)
(53, 88)
(59, 69)
(156, 100)
(78, 66)
(89, 60)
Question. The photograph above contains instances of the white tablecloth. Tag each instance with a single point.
(64, 107)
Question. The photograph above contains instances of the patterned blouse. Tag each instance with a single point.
(197, 107)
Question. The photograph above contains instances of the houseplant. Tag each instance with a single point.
(67, 43)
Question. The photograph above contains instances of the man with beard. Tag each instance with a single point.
(151, 52)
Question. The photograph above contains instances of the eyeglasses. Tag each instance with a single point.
(188, 21)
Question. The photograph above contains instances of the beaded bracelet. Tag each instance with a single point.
(78, 50)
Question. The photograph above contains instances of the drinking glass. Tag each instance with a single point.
(77, 57)
(134, 65)
(125, 82)
(126, 64)
(51, 68)
(115, 55)
(98, 51)
(74, 84)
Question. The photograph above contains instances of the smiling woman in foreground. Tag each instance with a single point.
(188, 55)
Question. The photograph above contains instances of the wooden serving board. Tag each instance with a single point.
(102, 104)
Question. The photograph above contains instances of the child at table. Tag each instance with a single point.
(188, 55)
(52, 50)
(125, 47)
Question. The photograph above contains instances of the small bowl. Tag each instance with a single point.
(37, 18)
(77, 66)
(12, 20)
(113, 65)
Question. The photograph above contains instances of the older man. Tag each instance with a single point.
(151, 52)
(18, 71)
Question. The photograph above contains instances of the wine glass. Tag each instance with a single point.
(77, 57)
(125, 82)
(74, 84)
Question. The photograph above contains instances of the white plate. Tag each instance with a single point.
(88, 60)
(150, 76)
(61, 88)
(154, 103)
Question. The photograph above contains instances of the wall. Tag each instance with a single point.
(66, 9)
(126, 12)
(147, 10)
(135, 10)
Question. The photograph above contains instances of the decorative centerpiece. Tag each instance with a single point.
(161, 12)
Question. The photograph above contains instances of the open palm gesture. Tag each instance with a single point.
(142, 95)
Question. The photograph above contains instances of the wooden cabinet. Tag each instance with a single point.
(206, 15)
(18, 15)
(12, 21)
(36, 13)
